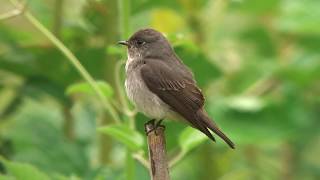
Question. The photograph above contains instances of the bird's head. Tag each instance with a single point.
(147, 43)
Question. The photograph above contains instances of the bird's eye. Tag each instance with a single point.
(140, 42)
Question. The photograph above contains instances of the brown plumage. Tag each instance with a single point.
(181, 93)
(160, 85)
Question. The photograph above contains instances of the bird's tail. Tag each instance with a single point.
(204, 118)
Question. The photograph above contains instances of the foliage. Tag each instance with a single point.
(258, 64)
(131, 138)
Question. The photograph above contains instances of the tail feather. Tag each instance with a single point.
(203, 117)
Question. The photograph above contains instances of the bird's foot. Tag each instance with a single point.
(149, 126)
(152, 125)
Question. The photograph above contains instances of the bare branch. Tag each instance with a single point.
(157, 151)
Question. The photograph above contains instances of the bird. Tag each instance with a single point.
(161, 86)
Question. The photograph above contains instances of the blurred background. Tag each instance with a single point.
(258, 63)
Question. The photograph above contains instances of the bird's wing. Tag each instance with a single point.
(177, 89)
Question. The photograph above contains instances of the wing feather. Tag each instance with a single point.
(179, 90)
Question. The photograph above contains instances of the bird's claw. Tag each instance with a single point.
(152, 125)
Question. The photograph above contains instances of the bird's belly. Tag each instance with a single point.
(146, 101)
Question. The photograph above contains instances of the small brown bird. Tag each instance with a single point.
(161, 86)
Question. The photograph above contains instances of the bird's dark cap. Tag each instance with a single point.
(147, 34)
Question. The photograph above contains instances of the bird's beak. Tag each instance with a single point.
(124, 43)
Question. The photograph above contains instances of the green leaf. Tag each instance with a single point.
(255, 7)
(51, 150)
(190, 138)
(174, 21)
(4, 177)
(23, 171)
(299, 17)
(246, 103)
(129, 137)
(115, 50)
(85, 88)
(204, 70)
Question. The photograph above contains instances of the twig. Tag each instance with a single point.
(141, 159)
(176, 159)
(157, 151)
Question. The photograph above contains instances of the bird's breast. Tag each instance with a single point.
(146, 101)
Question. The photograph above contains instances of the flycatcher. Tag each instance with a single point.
(161, 86)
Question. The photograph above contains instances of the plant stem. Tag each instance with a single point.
(11, 14)
(73, 60)
(124, 14)
(130, 166)
(76, 63)
(124, 17)
(176, 159)
(58, 12)
(118, 83)
(141, 159)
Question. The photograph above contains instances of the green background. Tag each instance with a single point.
(258, 63)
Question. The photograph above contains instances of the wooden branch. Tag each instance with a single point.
(157, 151)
